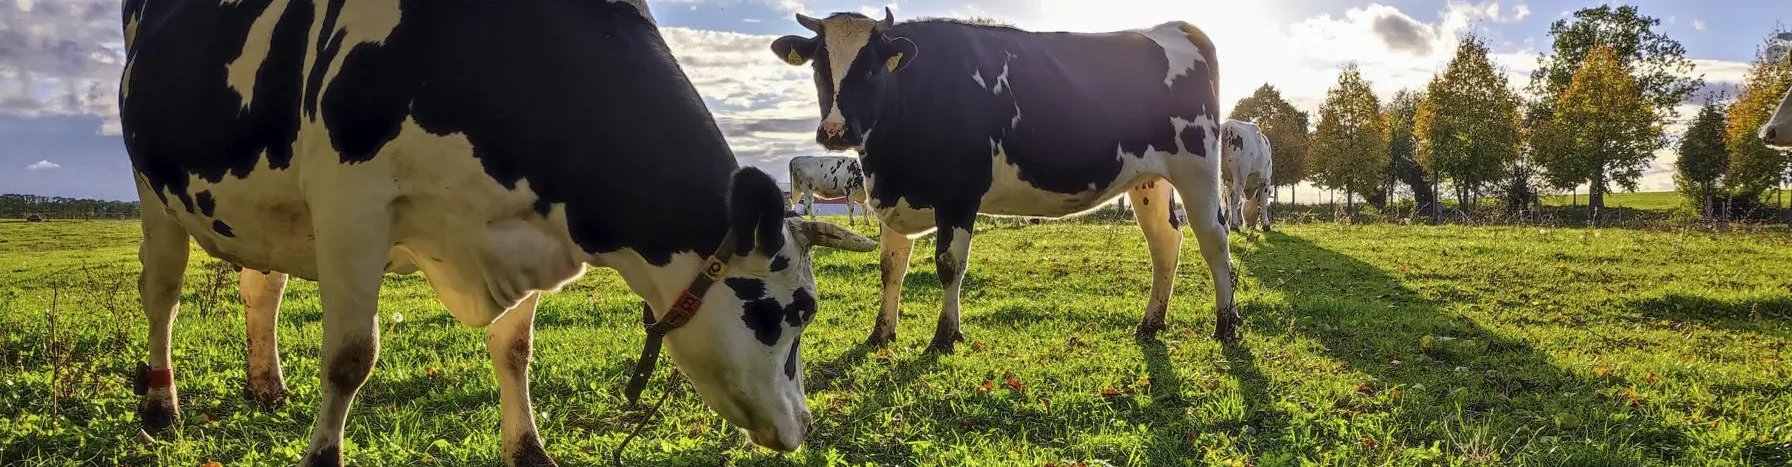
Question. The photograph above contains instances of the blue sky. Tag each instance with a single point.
(60, 59)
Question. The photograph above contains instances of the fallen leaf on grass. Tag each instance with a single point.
(1014, 383)
(987, 386)
(211, 464)
(1365, 390)
(1650, 377)
(1602, 370)
(1109, 391)
(977, 345)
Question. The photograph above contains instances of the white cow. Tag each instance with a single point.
(1778, 130)
(1246, 167)
(828, 177)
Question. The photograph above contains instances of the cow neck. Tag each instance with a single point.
(683, 308)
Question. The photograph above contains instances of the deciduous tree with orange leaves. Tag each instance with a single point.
(1603, 132)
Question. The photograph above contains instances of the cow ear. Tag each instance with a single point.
(898, 53)
(756, 213)
(795, 50)
(834, 236)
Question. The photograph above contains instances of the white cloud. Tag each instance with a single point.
(60, 58)
(1698, 24)
(43, 165)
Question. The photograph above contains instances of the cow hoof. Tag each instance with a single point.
(945, 343)
(1148, 330)
(529, 453)
(158, 414)
(879, 340)
(266, 395)
(329, 457)
(1225, 329)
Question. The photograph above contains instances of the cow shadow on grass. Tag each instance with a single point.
(1469, 378)
(1763, 315)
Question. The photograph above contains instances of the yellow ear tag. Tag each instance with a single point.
(894, 60)
(794, 58)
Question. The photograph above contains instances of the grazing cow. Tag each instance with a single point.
(1778, 130)
(497, 147)
(1246, 169)
(956, 119)
(828, 177)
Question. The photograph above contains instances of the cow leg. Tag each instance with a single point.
(352, 252)
(1234, 205)
(809, 204)
(849, 219)
(895, 248)
(952, 252)
(1164, 239)
(261, 303)
(511, 342)
(164, 257)
(1261, 202)
(1206, 217)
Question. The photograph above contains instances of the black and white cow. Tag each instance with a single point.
(955, 119)
(1778, 130)
(1246, 169)
(497, 147)
(828, 177)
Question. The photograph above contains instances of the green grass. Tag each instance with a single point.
(1364, 345)
(1654, 200)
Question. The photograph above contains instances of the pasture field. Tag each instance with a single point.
(1363, 345)
(1647, 200)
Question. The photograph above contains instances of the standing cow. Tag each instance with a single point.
(828, 177)
(498, 147)
(1778, 130)
(955, 119)
(1246, 168)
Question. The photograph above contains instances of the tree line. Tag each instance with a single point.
(14, 206)
(1593, 115)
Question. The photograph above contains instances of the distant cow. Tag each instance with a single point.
(956, 119)
(828, 177)
(1246, 171)
(34, 218)
(1778, 130)
(497, 147)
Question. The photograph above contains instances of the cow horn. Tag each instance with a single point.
(889, 20)
(811, 24)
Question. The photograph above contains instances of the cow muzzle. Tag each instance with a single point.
(836, 139)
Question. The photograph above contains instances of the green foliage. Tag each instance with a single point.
(1363, 345)
(1703, 159)
(1350, 147)
(55, 207)
(1754, 167)
(1467, 126)
(1658, 62)
(1285, 127)
(1603, 131)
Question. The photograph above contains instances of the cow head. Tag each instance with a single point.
(1778, 130)
(854, 59)
(741, 348)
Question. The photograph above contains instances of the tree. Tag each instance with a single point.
(1658, 62)
(1350, 149)
(1467, 127)
(1604, 131)
(1754, 167)
(1703, 157)
(1286, 129)
(1403, 147)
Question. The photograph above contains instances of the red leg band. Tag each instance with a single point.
(161, 378)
